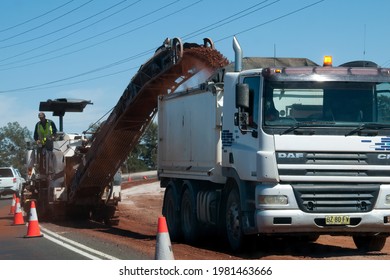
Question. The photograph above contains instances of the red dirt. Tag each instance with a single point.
(141, 206)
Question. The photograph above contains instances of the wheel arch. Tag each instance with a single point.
(246, 191)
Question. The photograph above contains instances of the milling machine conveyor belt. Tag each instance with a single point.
(171, 66)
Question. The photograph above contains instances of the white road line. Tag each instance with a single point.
(71, 245)
(74, 249)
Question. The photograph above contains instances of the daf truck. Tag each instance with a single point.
(279, 147)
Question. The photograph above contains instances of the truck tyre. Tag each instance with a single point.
(368, 243)
(189, 221)
(310, 238)
(233, 224)
(171, 213)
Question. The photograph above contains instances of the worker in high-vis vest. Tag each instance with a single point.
(45, 131)
(44, 135)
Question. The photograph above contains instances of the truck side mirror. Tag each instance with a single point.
(242, 96)
(241, 118)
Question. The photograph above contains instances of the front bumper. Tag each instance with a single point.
(8, 190)
(291, 219)
(297, 221)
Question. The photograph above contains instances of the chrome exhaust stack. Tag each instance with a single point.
(237, 55)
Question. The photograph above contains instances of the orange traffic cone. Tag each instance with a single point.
(163, 242)
(13, 205)
(18, 217)
(33, 225)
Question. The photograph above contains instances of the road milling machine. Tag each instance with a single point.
(79, 178)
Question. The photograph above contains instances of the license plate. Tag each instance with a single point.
(337, 220)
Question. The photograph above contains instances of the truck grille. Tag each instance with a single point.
(336, 198)
(336, 158)
(295, 166)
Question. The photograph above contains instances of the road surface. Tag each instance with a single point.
(135, 236)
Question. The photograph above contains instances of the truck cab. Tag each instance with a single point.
(312, 144)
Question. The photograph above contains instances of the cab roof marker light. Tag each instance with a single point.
(327, 60)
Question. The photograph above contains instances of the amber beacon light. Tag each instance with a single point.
(327, 60)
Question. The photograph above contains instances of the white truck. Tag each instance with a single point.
(287, 148)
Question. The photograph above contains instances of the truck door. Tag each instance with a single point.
(246, 136)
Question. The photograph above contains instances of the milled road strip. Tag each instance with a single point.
(72, 245)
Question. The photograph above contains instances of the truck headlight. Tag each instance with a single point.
(273, 199)
(387, 199)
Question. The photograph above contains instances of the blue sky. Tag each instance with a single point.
(91, 49)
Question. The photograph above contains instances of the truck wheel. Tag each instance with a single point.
(171, 214)
(369, 243)
(233, 224)
(189, 221)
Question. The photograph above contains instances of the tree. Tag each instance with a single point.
(149, 141)
(13, 146)
(144, 155)
(134, 163)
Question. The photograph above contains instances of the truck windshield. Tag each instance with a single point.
(322, 104)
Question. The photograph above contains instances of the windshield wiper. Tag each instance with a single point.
(305, 124)
(375, 126)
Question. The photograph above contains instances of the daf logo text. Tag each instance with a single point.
(290, 155)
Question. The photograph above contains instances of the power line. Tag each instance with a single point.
(146, 52)
(34, 18)
(102, 33)
(386, 63)
(76, 82)
(65, 36)
(46, 23)
(269, 21)
(91, 37)
(96, 69)
(39, 86)
(228, 19)
(68, 26)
